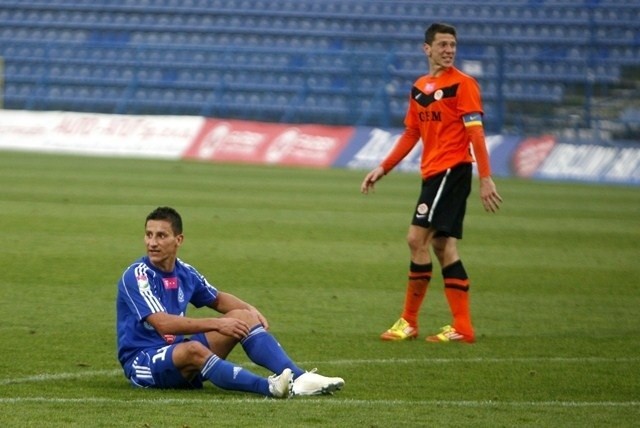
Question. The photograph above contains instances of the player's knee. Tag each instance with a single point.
(195, 352)
(415, 243)
(244, 315)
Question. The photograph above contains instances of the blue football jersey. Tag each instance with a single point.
(144, 290)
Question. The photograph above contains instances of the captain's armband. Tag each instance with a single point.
(472, 119)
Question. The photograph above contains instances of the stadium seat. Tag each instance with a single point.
(333, 46)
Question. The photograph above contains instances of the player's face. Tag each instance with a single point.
(442, 52)
(162, 244)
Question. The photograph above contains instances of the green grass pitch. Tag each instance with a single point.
(555, 296)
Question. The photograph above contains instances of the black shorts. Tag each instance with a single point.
(443, 201)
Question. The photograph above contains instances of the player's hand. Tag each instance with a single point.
(370, 180)
(491, 200)
(261, 318)
(232, 327)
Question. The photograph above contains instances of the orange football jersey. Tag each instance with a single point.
(435, 113)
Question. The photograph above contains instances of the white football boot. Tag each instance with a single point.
(312, 383)
(280, 385)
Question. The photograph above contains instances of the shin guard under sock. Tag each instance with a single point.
(264, 350)
(419, 277)
(456, 288)
(226, 375)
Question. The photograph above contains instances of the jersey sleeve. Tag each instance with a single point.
(471, 100)
(471, 110)
(480, 153)
(138, 289)
(401, 149)
(204, 294)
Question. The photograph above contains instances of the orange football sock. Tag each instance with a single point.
(456, 288)
(419, 277)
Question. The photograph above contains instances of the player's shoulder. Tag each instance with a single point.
(458, 74)
(419, 82)
(137, 267)
(186, 267)
(190, 273)
(138, 272)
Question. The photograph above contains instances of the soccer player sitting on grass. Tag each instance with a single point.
(153, 347)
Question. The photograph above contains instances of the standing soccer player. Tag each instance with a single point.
(160, 347)
(445, 111)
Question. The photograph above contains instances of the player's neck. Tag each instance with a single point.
(437, 71)
(165, 265)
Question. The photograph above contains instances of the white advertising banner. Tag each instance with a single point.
(98, 134)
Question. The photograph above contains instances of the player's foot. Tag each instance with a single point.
(312, 383)
(449, 334)
(280, 386)
(401, 330)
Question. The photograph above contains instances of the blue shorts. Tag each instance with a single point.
(154, 368)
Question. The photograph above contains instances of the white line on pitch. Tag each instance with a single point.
(307, 402)
(46, 377)
(486, 360)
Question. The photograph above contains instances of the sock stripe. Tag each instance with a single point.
(208, 365)
(256, 330)
(457, 287)
(456, 282)
(414, 267)
(454, 270)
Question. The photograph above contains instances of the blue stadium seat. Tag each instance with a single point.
(189, 48)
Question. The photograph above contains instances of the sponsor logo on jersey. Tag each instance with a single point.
(170, 283)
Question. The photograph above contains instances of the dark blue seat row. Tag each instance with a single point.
(548, 11)
(341, 61)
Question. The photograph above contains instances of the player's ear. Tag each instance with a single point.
(179, 239)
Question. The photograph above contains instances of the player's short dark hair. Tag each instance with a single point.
(438, 27)
(168, 214)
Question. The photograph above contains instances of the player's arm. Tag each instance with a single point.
(165, 323)
(226, 302)
(475, 131)
(401, 149)
(168, 324)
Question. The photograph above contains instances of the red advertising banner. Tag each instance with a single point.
(530, 154)
(269, 143)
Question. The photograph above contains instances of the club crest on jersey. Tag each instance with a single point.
(143, 281)
(437, 95)
(180, 295)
